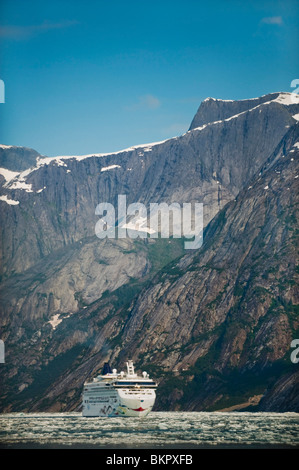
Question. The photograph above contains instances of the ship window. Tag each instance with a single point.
(132, 384)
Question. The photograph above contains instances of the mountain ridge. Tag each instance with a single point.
(72, 301)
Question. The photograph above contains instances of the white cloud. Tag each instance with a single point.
(176, 129)
(23, 32)
(145, 102)
(150, 101)
(272, 20)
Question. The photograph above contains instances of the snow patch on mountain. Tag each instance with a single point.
(287, 98)
(2, 146)
(11, 202)
(111, 167)
(8, 174)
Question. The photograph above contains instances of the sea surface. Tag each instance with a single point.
(181, 430)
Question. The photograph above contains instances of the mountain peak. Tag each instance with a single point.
(15, 158)
(216, 109)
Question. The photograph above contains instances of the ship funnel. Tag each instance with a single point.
(106, 369)
(130, 369)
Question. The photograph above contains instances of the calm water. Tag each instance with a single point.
(157, 430)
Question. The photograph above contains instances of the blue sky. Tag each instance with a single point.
(99, 76)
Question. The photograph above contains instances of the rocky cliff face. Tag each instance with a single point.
(283, 396)
(215, 110)
(213, 325)
(18, 158)
(225, 317)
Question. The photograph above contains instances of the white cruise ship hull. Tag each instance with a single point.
(118, 403)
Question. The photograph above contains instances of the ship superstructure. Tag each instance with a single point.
(119, 394)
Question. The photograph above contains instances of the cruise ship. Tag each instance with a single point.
(119, 394)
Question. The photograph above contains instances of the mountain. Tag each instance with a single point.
(214, 325)
(18, 158)
(214, 110)
(225, 317)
